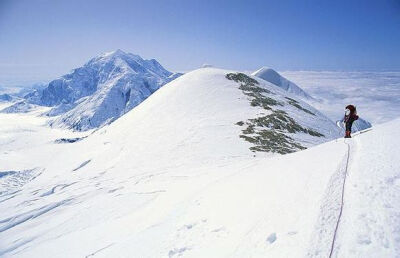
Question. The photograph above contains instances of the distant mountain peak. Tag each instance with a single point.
(102, 90)
(117, 52)
(272, 76)
(115, 55)
(264, 68)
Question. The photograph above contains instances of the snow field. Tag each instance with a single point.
(172, 178)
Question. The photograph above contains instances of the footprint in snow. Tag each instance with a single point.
(363, 240)
(271, 238)
(177, 251)
(189, 226)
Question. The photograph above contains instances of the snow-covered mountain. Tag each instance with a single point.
(275, 78)
(185, 173)
(20, 107)
(7, 98)
(360, 125)
(102, 90)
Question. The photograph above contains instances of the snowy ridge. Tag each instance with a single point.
(208, 95)
(275, 78)
(173, 177)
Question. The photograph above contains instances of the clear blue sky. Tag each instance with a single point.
(43, 39)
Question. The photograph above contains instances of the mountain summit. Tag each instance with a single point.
(102, 90)
(272, 76)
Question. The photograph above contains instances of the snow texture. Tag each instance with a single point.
(172, 178)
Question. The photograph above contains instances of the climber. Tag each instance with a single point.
(349, 117)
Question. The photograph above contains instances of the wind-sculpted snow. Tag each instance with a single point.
(102, 90)
(69, 140)
(12, 181)
(11, 222)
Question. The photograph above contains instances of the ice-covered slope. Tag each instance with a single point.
(173, 178)
(275, 78)
(102, 90)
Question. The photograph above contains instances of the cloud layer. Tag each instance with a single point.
(376, 94)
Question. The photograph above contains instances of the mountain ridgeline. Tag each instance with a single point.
(101, 91)
(270, 75)
(272, 114)
(274, 130)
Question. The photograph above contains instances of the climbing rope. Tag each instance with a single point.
(343, 187)
(342, 199)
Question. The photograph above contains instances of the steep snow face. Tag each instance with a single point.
(102, 90)
(275, 78)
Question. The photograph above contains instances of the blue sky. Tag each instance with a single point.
(43, 39)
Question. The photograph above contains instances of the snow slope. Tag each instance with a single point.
(173, 178)
(204, 102)
(272, 76)
(371, 215)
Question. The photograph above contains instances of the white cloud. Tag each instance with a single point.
(376, 94)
